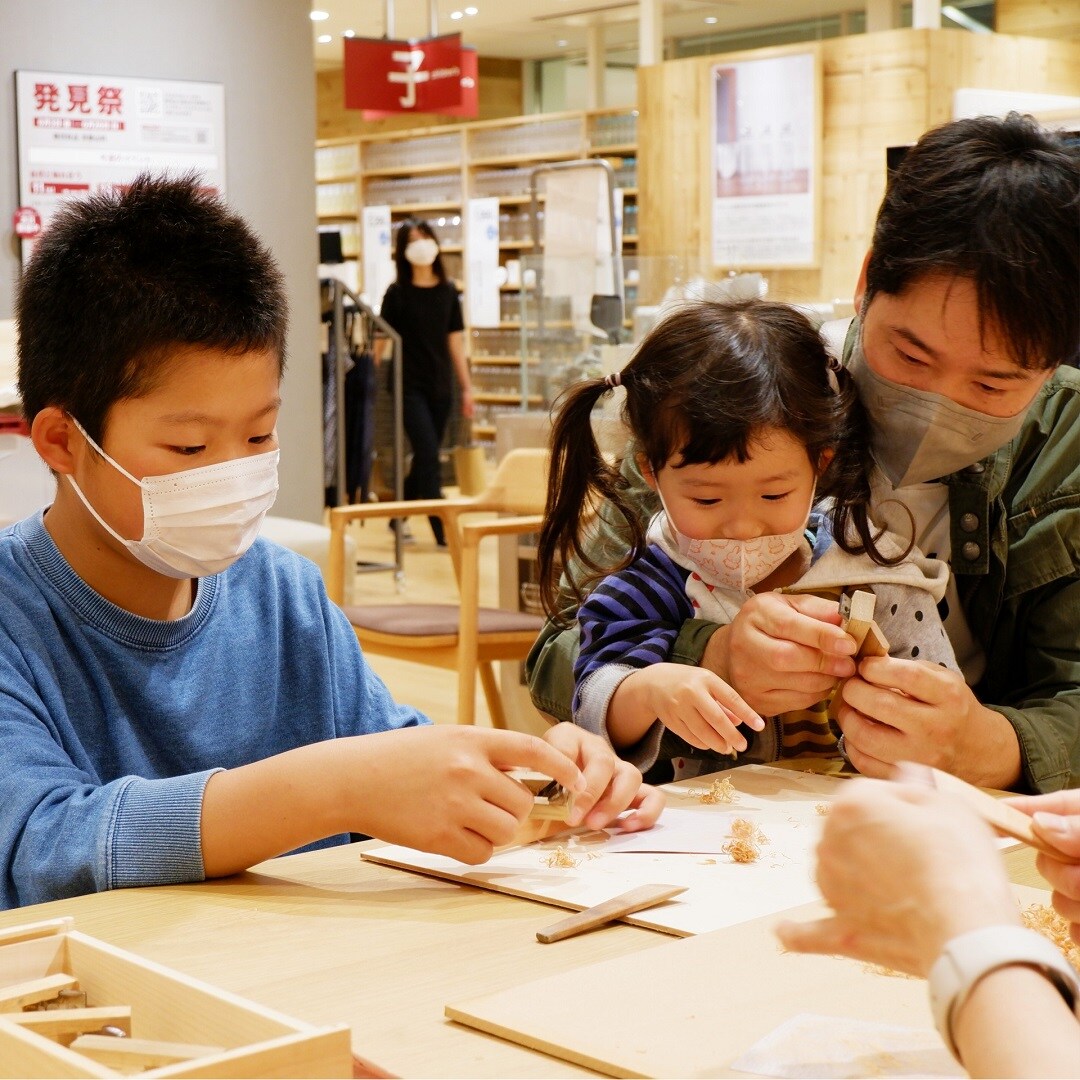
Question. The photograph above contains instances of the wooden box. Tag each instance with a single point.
(176, 1026)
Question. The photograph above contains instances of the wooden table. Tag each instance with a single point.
(327, 938)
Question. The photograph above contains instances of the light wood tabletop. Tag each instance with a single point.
(327, 937)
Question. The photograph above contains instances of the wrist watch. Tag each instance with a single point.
(970, 957)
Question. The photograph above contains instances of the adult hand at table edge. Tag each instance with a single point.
(781, 651)
(905, 869)
(612, 785)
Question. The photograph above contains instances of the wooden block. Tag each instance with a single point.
(644, 896)
(137, 1055)
(16, 997)
(1000, 815)
(857, 614)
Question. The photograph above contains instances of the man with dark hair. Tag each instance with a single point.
(969, 312)
(179, 699)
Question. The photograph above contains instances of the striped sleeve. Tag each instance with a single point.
(633, 617)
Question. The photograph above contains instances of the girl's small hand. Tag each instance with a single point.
(468, 408)
(696, 705)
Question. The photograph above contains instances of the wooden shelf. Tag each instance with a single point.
(495, 398)
(630, 238)
(338, 178)
(451, 249)
(514, 245)
(524, 159)
(346, 215)
(422, 207)
(616, 150)
(502, 361)
(631, 191)
(483, 431)
(517, 200)
(515, 288)
(411, 170)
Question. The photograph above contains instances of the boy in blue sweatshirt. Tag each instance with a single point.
(178, 699)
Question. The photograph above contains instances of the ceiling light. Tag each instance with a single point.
(318, 16)
(348, 33)
(562, 43)
(324, 39)
(457, 14)
(472, 11)
(711, 20)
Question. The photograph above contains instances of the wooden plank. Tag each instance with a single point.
(61, 1023)
(137, 1055)
(16, 997)
(644, 896)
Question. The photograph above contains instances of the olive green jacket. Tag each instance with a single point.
(1016, 556)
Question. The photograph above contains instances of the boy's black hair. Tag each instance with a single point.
(996, 201)
(120, 280)
(401, 242)
(703, 386)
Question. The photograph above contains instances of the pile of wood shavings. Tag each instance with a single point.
(821, 808)
(1046, 921)
(745, 843)
(721, 791)
(561, 857)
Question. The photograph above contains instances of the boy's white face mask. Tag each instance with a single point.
(197, 522)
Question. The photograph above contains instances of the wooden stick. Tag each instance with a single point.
(1001, 816)
(58, 1023)
(16, 997)
(644, 896)
(141, 1054)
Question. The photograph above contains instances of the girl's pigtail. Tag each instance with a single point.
(848, 476)
(581, 484)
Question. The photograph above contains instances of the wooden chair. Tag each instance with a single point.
(464, 637)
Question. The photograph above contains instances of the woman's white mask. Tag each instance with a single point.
(197, 522)
(422, 252)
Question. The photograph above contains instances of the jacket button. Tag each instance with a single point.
(975, 469)
(971, 551)
(969, 522)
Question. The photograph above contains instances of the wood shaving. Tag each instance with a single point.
(821, 808)
(745, 843)
(720, 791)
(892, 973)
(561, 857)
(1046, 921)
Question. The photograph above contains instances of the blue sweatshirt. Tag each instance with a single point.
(111, 723)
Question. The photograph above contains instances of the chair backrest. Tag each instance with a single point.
(519, 485)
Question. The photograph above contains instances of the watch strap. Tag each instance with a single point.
(970, 957)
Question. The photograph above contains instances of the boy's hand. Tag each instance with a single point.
(695, 704)
(613, 785)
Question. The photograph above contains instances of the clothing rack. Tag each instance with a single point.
(345, 302)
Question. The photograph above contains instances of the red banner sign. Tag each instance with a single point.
(393, 77)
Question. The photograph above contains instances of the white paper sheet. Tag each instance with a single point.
(833, 1046)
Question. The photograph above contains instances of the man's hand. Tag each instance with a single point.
(782, 652)
(909, 710)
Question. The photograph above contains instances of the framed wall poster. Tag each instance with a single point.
(80, 134)
(765, 165)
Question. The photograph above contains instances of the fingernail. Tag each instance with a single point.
(1052, 824)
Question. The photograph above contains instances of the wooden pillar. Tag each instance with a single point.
(926, 15)
(595, 63)
(650, 32)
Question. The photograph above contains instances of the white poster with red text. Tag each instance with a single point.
(81, 134)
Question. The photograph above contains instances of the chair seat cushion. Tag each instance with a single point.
(429, 620)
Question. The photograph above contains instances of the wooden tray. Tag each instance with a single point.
(221, 1034)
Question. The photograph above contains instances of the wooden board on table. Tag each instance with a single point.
(692, 1007)
(787, 806)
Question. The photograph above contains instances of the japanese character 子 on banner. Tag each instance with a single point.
(403, 76)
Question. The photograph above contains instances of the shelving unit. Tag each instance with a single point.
(433, 172)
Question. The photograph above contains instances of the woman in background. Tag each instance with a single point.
(423, 306)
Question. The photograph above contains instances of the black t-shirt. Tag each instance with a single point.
(425, 318)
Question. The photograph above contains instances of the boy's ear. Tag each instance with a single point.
(51, 433)
(646, 470)
(860, 285)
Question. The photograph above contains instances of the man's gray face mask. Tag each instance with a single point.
(918, 435)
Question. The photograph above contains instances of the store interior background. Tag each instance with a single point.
(283, 90)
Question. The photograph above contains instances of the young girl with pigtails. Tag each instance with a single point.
(756, 444)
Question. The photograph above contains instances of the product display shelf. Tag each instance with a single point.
(412, 172)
